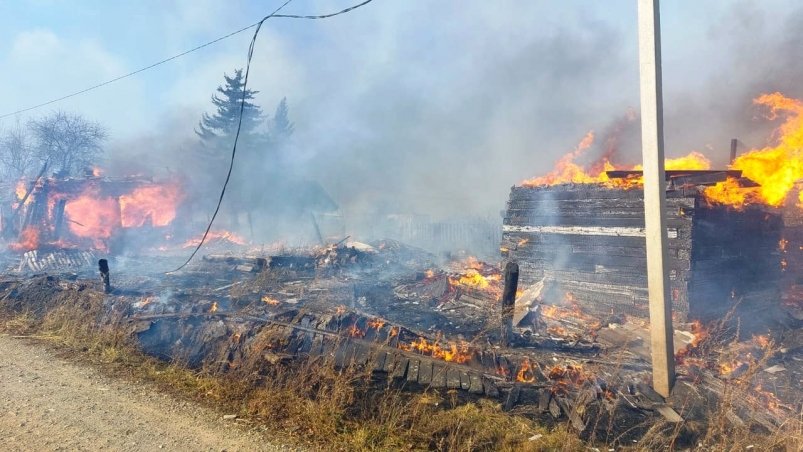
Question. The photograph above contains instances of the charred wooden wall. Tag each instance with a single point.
(588, 240)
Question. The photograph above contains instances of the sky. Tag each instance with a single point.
(415, 106)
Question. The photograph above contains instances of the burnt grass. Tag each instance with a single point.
(325, 408)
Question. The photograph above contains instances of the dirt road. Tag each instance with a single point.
(47, 403)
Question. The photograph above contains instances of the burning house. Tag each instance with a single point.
(586, 242)
(90, 213)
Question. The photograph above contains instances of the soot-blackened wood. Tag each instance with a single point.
(103, 266)
(509, 301)
(569, 236)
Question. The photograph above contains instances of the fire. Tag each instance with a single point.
(28, 240)
(775, 168)
(762, 341)
(573, 311)
(213, 308)
(728, 368)
(93, 216)
(692, 162)
(267, 299)
(567, 171)
(216, 235)
(156, 204)
(96, 171)
(429, 274)
(20, 190)
(355, 331)
(475, 279)
(341, 310)
(474, 274)
(564, 376)
(526, 374)
(522, 242)
(376, 323)
(453, 352)
(700, 333)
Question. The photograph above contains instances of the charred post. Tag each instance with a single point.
(509, 301)
(734, 144)
(103, 266)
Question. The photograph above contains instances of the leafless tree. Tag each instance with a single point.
(17, 153)
(67, 141)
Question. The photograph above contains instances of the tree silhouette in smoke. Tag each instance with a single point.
(223, 123)
(263, 139)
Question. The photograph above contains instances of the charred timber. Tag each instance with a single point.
(588, 240)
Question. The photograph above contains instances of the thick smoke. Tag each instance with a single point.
(431, 109)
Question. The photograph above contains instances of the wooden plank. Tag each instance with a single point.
(491, 390)
(400, 369)
(452, 378)
(341, 354)
(475, 386)
(465, 381)
(412, 370)
(390, 361)
(512, 397)
(425, 372)
(379, 361)
(439, 373)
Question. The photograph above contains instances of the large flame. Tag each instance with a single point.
(155, 203)
(775, 168)
(567, 170)
(94, 210)
(28, 240)
(93, 216)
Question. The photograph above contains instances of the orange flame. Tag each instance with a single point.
(355, 331)
(269, 300)
(376, 323)
(526, 374)
(775, 168)
(93, 216)
(28, 240)
(566, 170)
(156, 203)
(213, 308)
(453, 352)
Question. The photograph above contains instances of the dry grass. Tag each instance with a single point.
(331, 409)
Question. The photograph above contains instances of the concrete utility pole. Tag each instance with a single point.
(652, 149)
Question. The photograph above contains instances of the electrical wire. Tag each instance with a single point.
(242, 108)
(166, 60)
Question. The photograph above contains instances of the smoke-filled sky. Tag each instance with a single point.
(433, 107)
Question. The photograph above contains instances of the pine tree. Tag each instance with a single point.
(223, 123)
(280, 126)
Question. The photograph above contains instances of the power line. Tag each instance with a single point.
(166, 60)
(242, 107)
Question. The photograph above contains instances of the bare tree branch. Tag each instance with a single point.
(68, 141)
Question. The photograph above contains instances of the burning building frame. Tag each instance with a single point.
(91, 212)
(586, 242)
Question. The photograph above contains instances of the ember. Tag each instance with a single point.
(267, 299)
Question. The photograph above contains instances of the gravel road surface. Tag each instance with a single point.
(47, 403)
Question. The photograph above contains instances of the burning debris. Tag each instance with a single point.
(89, 213)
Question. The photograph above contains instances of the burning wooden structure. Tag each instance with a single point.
(89, 212)
(586, 242)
